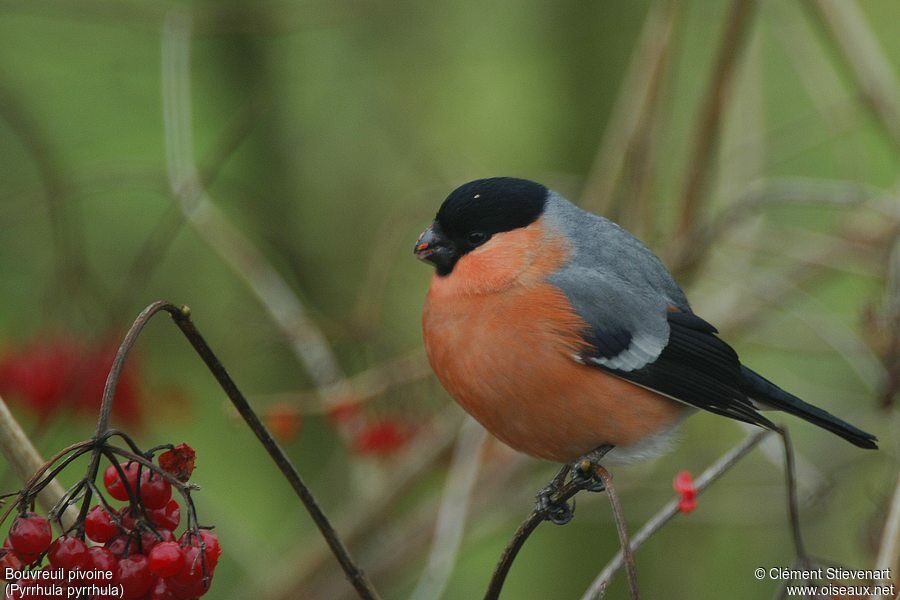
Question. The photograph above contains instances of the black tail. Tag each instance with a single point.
(759, 388)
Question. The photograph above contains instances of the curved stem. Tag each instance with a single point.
(670, 510)
(531, 522)
(115, 372)
(790, 474)
(357, 578)
(624, 542)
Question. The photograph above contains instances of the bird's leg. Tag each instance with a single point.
(558, 513)
(583, 469)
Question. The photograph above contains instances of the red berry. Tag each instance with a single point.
(127, 518)
(381, 438)
(155, 491)
(166, 559)
(284, 421)
(121, 545)
(113, 481)
(101, 559)
(150, 539)
(212, 549)
(30, 534)
(179, 461)
(40, 374)
(343, 411)
(68, 553)
(99, 526)
(167, 517)
(134, 576)
(684, 483)
(194, 578)
(9, 558)
(687, 505)
(161, 591)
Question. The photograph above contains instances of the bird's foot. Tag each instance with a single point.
(558, 513)
(583, 474)
(583, 477)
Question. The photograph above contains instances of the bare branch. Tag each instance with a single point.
(26, 460)
(362, 515)
(182, 318)
(621, 529)
(858, 46)
(693, 197)
(287, 311)
(670, 510)
(361, 387)
(636, 100)
(519, 538)
(889, 554)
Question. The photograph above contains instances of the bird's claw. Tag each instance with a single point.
(583, 476)
(558, 513)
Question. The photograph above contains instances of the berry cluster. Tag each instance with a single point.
(130, 552)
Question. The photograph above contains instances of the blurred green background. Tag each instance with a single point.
(326, 134)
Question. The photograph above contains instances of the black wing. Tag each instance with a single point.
(695, 367)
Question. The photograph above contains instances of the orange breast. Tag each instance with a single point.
(502, 342)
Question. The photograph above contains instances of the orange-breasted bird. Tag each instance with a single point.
(560, 332)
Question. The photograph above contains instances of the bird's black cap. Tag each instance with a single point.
(489, 206)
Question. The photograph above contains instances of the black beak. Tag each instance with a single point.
(433, 247)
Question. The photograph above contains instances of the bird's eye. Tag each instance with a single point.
(476, 238)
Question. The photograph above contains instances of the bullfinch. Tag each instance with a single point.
(560, 332)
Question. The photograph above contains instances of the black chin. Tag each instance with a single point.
(444, 259)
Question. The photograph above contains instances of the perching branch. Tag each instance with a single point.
(562, 495)
(624, 542)
(598, 588)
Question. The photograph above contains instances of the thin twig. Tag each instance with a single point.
(629, 120)
(559, 498)
(818, 76)
(790, 475)
(621, 529)
(889, 553)
(693, 197)
(287, 311)
(72, 273)
(365, 513)
(858, 46)
(181, 317)
(358, 388)
(519, 538)
(453, 512)
(670, 510)
(396, 545)
(26, 460)
(356, 576)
